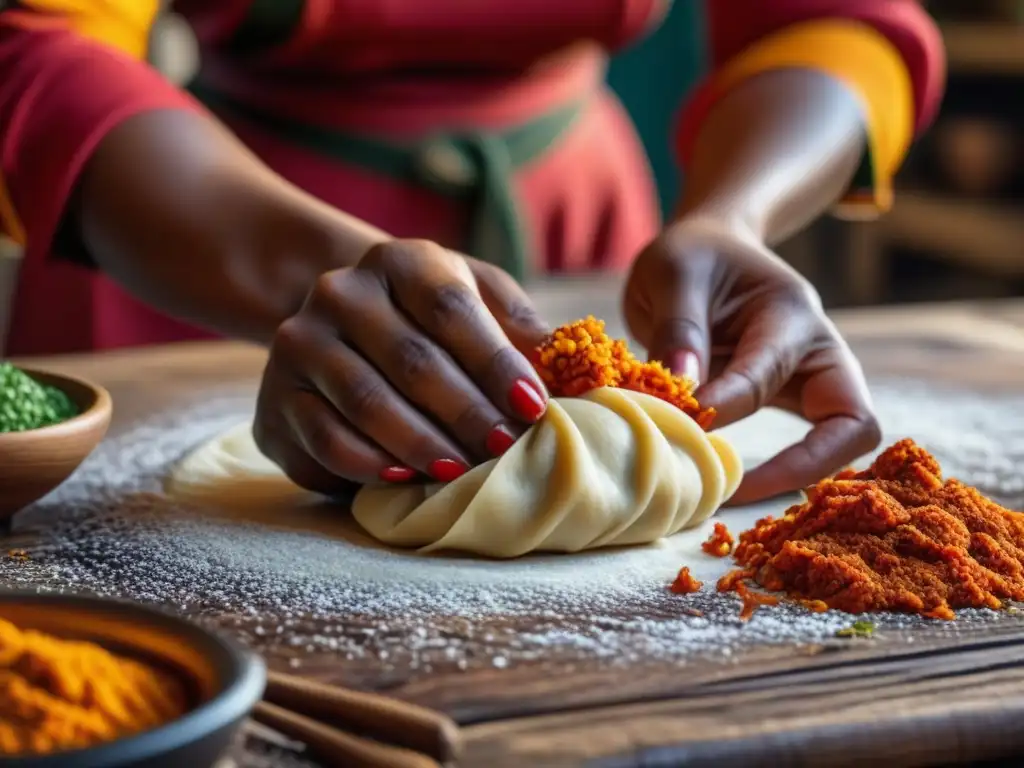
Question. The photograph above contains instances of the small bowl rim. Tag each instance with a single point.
(241, 689)
(95, 414)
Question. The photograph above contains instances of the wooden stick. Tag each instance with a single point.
(336, 747)
(388, 720)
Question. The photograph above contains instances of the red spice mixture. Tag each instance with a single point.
(895, 537)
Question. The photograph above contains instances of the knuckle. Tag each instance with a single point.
(756, 388)
(421, 450)
(453, 304)
(870, 432)
(361, 397)
(474, 422)
(501, 368)
(287, 346)
(798, 293)
(329, 292)
(781, 365)
(415, 359)
(327, 286)
(288, 334)
(523, 314)
(325, 445)
(679, 331)
(394, 255)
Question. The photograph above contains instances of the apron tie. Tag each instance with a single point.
(476, 168)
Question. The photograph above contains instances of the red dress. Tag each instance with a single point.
(303, 82)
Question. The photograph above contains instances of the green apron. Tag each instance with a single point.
(475, 167)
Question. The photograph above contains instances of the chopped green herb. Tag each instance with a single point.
(27, 404)
(858, 629)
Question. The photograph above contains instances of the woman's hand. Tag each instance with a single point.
(406, 364)
(709, 300)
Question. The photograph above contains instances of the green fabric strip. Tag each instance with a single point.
(864, 178)
(267, 24)
(474, 167)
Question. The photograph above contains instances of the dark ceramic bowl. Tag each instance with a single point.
(225, 680)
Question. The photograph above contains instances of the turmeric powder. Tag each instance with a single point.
(58, 695)
(580, 356)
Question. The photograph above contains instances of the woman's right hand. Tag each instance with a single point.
(407, 364)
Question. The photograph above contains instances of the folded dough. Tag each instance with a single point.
(612, 467)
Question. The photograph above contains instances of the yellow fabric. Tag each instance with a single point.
(121, 24)
(870, 65)
(9, 221)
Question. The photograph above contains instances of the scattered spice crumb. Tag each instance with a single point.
(858, 629)
(815, 606)
(580, 356)
(685, 583)
(752, 600)
(895, 537)
(720, 542)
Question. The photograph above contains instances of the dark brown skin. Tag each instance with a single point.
(390, 359)
(710, 297)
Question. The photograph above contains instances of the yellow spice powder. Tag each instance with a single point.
(59, 694)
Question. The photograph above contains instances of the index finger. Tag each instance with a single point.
(844, 428)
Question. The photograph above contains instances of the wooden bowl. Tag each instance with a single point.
(226, 681)
(35, 462)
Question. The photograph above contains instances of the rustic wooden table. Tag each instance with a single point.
(944, 698)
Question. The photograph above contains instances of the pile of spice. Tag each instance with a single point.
(27, 404)
(580, 356)
(57, 695)
(895, 537)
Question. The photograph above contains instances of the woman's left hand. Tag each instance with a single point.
(712, 302)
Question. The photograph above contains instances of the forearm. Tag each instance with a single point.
(776, 152)
(177, 210)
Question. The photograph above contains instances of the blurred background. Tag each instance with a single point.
(957, 231)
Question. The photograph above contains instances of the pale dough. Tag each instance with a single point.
(610, 468)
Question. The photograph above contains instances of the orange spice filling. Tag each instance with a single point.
(685, 583)
(720, 542)
(580, 356)
(895, 537)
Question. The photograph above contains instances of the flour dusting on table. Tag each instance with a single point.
(308, 583)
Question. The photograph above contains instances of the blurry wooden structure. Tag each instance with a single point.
(965, 223)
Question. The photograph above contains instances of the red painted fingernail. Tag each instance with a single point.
(397, 474)
(526, 400)
(499, 441)
(446, 470)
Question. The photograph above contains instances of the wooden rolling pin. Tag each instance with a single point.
(387, 720)
(335, 747)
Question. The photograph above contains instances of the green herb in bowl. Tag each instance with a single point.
(28, 404)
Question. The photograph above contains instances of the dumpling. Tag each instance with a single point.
(611, 467)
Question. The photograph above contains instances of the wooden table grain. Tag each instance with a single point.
(945, 698)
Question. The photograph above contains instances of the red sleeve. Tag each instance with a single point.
(60, 94)
(736, 24)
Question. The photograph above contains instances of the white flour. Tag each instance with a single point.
(309, 582)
